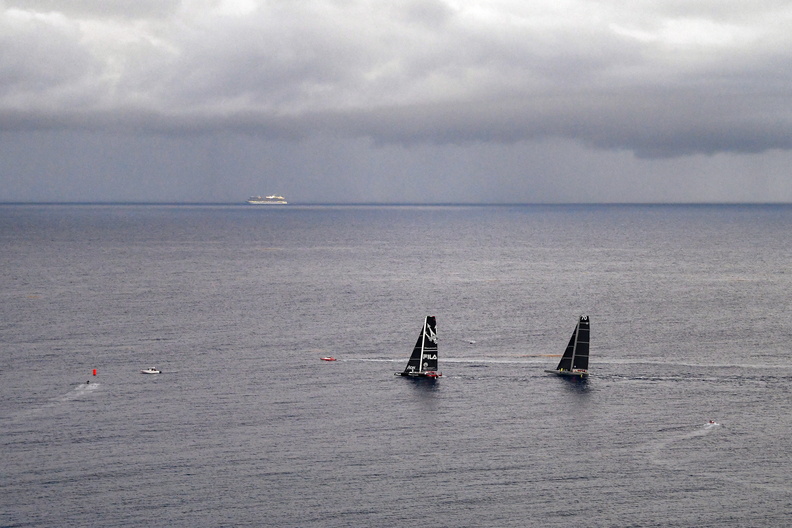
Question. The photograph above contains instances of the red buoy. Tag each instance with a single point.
(94, 372)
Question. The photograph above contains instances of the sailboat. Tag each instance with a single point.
(574, 362)
(423, 361)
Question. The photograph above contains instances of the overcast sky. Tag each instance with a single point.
(496, 101)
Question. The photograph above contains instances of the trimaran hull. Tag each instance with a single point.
(431, 375)
(568, 373)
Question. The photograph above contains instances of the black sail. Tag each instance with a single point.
(430, 345)
(566, 359)
(577, 351)
(414, 364)
(580, 359)
(424, 355)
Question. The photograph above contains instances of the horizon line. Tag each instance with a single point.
(396, 204)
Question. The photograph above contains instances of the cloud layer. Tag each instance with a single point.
(658, 79)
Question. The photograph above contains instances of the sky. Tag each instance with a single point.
(402, 101)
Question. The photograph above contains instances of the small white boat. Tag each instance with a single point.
(150, 370)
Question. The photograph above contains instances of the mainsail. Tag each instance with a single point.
(575, 358)
(424, 356)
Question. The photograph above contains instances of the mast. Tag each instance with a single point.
(574, 347)
(423, 344)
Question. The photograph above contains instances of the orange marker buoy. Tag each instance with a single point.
(94, 372)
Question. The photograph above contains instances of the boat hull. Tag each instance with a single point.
(428, 374)
(569, 373)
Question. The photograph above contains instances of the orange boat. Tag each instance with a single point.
(328, 358)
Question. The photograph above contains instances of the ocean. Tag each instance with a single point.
(245, 426)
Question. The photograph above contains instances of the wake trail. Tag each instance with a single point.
(450, 360)
(658, 452)
(78, 393)
(656, 449)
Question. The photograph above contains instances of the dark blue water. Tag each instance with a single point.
(247, 427)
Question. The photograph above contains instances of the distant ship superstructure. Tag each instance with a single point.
(272, 199)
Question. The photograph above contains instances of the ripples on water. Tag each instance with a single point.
(245, 426)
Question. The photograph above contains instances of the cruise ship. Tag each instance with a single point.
(266, 200)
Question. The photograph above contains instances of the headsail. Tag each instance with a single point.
(424, 355)
(575, 358)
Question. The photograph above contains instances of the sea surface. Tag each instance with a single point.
(690, 322)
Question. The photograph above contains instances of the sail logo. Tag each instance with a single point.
(430, 357)
(431, 335)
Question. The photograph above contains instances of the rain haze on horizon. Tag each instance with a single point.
(419, 101)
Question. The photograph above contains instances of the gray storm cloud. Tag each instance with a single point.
(659, 79)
